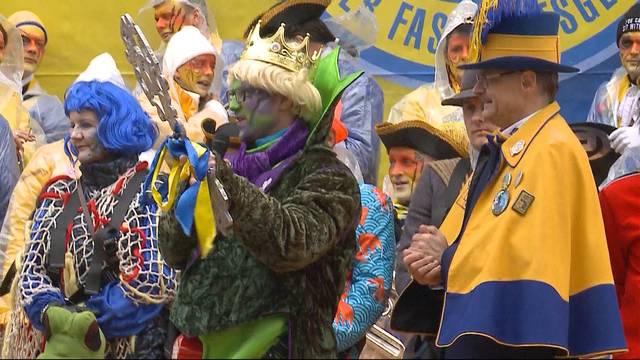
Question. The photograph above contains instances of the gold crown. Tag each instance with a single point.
(277, 51)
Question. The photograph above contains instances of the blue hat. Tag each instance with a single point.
(516, 35)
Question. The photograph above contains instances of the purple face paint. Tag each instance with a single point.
(254, 110)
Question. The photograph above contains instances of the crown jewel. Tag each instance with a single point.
(277, 51)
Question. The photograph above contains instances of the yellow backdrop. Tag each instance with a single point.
(81, 29)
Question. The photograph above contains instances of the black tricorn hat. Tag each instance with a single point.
(594, 138)
(289, 12)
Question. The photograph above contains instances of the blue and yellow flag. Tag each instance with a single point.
(193, 206)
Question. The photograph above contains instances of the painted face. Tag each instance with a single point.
(170, 17)
(501, 96)
(405, 169)
(84, 137)
(457, 54)
(630, 54)
(2, 45)
(254, 109)
(33, 45)
(477, 128)
(196, 75)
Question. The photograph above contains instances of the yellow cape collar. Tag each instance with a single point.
(516, 145)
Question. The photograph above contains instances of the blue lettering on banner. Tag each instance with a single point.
(587, 10)
(608, 3)
(567, 21)
(399, 19)
(343, 5)
(372, 4)
(415, 30)
(439, 20)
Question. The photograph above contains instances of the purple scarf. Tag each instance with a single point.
(265, 167)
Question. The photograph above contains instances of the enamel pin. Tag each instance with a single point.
(501, 201)
(518, 179)
(523, 202)
(517, 147)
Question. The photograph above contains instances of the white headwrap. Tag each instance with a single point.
(104, 69)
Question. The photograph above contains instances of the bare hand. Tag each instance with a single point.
(429, 241)
(24, 136)
(20, 137)
(424, 270)
(211, 166)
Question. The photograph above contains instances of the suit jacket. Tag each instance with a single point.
(429, 204)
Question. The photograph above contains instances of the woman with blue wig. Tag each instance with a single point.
(91, 276)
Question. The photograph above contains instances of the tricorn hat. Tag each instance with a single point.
(594, 138)
(409, 125)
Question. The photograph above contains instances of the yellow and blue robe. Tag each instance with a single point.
(533, 272)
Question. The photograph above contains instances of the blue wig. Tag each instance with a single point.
(124, 128)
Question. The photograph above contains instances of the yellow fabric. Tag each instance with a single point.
(27, 16)
(451, 224)
(48, 162)
(188, 104)
(560, 240)
(204, 220)
(422, 108)
(623, 86)
(192, 128)
(535, 46)
(13, 110)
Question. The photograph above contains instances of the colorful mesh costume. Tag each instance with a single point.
(131, 293)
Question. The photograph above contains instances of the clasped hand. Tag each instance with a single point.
(423, 256)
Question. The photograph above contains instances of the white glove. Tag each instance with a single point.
(625, 137)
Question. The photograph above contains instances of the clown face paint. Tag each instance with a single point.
(169, 16)
(405, 169)
(457, 53)
(33, 44)
(84, 137)
(254, 110)
(630, 54)
(2, 45)
(196, 75)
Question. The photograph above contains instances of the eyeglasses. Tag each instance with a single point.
(483, 80)
(242, 94)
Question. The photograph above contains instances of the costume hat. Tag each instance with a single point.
(409, 125)
(516, 35)
(594, 138)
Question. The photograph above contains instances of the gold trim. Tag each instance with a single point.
(447, 133)
(444, 168)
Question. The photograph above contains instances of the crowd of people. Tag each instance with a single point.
(236, 212)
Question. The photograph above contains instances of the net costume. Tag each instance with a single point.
(133, 288)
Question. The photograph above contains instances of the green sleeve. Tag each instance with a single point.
(175, 246)
(290, 233)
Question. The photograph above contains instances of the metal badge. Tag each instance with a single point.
(500, 202)
(506, 181)
(518, 180)
(517, 147)
(523, 202)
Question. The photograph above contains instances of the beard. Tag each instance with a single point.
(632, 66)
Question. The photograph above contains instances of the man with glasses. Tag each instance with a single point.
(43, 108)
(528, 273)
(270, 287)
